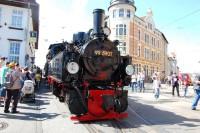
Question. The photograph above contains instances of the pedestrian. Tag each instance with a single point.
(185, 84)
(169, 80)
(2, 61)
(2, 64)
(27, 74)
(38, 79)
(197, 92)
(134, 82)
(4, 70)
(180, 79)
(142, 78)
(175, 84)
(12, 92)
(156, 85)
(138, 81)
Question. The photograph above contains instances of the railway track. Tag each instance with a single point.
(122, 126)
(140, 124)
(91, 128)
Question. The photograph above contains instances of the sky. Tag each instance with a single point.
(178, 20)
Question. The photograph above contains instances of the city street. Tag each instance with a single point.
(86, 53)
(146, 114)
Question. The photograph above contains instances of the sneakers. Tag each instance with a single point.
(193, 108)
(6, 111)
(13, 111)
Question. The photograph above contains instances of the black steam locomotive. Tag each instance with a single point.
(89, 73)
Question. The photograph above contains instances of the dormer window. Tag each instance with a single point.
(121, 12)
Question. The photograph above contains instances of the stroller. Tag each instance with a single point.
(27, 92)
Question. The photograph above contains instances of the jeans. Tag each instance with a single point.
(134, 86)
(2, 90)
(138, 85)
(157, 92)
(185, 90)
(141, 85)
(196, 99)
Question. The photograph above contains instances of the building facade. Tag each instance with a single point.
(138, 37)
(19, 29)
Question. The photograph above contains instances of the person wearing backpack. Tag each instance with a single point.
(13, 90)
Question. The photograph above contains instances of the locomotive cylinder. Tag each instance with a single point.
(98, 22)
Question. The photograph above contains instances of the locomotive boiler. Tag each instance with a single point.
(89, 74)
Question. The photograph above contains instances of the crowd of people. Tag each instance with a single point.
(137, 82)
(174, 81)
(12, 79)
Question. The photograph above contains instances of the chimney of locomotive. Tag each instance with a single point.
(98, 22)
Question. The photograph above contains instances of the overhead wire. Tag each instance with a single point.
(181, 18)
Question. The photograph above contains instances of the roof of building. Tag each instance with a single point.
(142, 17)
(33, 5)
(116, 2)
(122, 1)
(165, 38)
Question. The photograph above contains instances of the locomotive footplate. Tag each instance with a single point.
(101, 106)
(91, 117)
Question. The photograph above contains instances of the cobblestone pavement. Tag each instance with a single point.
(48, 115)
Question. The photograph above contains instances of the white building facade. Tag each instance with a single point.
(121, 14)
(16, 30)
